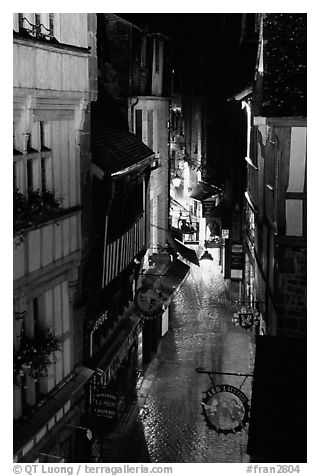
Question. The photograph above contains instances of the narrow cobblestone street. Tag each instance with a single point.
(170, 426)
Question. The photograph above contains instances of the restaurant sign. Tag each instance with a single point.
(226, 409)
(246, 318)
(149, 301)
(105, 403)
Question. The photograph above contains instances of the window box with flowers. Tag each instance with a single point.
(35, 356)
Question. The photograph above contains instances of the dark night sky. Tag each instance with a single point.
(215, 37)
(178, 26)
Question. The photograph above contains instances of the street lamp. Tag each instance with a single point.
(176, 181)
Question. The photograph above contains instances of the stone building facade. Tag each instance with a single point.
(52, 92)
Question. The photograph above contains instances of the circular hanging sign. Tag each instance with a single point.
(226, 409)
(148, 301)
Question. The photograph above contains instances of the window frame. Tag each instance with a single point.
(28, 168)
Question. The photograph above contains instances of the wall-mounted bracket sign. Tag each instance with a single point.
(149, 301)
(246, 318)
(226, 409)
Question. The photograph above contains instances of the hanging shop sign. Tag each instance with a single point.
(225, 234)
(226, 409)
(237, 256)
(149, 301)
(105, 403)
(246, 318)
(208, 208)
(237, 262)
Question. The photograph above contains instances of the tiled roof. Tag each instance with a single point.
(114, 148)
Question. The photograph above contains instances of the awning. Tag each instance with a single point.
(174, 277)
(117, 346)
(277, 430)
(175, 233)
(186, 253)
(203, 191)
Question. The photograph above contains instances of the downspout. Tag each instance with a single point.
(130, 61)
(132, 113)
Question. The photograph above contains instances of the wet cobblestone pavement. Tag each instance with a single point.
(170, 426)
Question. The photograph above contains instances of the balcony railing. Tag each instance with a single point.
(47, 243)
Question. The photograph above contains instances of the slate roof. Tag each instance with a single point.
(114, 148)
(283, 90)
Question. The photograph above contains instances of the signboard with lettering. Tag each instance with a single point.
(105, 403)
(225, 234)
(208, 208)
(237, 261)
(226, 409)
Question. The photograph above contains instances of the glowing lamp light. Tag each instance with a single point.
(176, 181)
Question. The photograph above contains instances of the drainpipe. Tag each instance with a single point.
(132, 113)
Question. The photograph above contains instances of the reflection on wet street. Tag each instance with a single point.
(201, 334)
(171, 426)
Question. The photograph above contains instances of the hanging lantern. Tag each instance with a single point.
(176, 181)
(206, 256)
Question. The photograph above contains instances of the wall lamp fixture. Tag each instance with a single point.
(176, 181)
